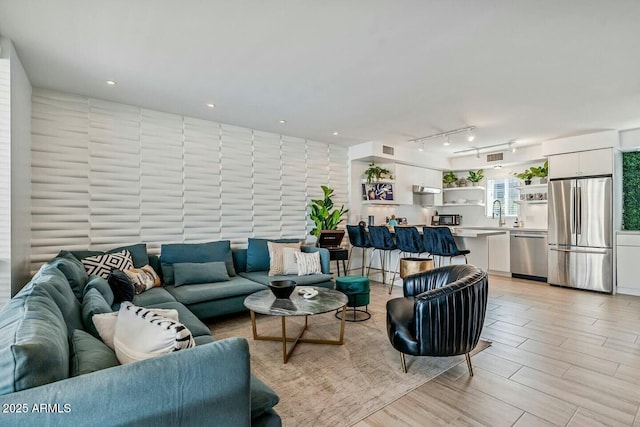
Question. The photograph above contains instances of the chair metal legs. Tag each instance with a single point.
(403, 363)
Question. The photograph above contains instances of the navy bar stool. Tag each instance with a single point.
(439, 241)
(358, 239)
(381, 240)
(408, 241)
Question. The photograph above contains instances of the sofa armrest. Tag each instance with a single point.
(324, 257)
(205, 385)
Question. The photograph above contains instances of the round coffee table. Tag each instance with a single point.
(264, 302)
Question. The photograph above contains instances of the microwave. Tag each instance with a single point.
(446, 219)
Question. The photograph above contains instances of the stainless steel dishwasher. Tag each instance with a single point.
(529, 255)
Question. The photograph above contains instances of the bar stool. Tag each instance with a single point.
(381, 240)
(358, 239)
(439, 241)
(408, 241)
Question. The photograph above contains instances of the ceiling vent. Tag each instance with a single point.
(495, 157)
(387, 150)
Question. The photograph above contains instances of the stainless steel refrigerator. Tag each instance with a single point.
(580, 233)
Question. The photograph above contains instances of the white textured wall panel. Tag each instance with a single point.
(267, 185)
(236, 185)
(114, 174)
(294, 190)
(162, 178)
(201, 180)
(5, 182)
(59, 175)
(107, 174)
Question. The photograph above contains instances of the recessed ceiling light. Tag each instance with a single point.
(282, 122)
(420, 149)
(111, 82)
(470, 136)
(335, 133)
(211, 105)
(497, 167)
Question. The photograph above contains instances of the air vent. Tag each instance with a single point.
(496, 157)
(387, 150)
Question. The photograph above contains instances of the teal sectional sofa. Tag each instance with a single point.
(55, 371)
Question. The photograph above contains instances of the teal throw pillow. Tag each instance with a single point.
(73, 270)
(191, 273)
(89, 354)
(93, 303)
(258, 253)
(176, 253)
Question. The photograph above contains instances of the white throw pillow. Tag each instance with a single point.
(105, 323)
(276, 263)
(290, 265)
(142, 334)
(308, 263)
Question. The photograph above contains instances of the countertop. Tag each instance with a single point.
(505, 228)
(631, 232)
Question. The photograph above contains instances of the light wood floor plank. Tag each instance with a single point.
(578, 394)
(559, 357)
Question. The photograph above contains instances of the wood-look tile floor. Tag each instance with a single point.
(559, 357)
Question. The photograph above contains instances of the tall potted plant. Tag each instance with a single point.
(324, 216)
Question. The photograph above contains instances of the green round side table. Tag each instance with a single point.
(357, 290)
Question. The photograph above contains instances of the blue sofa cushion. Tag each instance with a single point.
(186, 317)
(192, 273)
(258, 253)
(153, 296)
(203, 339)
(138, 253)
(34, 349)
(263, 398)
(55, 283)
(89, 354)
(93, 303)
(264, 278)
(194, 252)
(102, 286)
(191, 294)
(73, 270)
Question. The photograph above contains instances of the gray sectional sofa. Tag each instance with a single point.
(55, 371)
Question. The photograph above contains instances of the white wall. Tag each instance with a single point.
(106, 174)
(15, 137)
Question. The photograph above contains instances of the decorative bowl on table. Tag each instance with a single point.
(282, 289)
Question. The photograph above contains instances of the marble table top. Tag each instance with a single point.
(264, 302)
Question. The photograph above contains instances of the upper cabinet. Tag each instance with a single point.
(582, 163)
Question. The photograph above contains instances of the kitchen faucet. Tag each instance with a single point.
(501, 221)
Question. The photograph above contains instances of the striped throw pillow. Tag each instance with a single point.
(276, 260)
(308, 263)
(142, 334)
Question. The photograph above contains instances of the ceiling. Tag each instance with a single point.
(371, 70)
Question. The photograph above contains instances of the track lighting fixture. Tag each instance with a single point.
(446, 134)
(470, 135)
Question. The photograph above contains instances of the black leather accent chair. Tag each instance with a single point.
(441, 314)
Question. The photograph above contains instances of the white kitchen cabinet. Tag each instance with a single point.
(403, 191)
(628, 254)
(582, 163)
(499, 253)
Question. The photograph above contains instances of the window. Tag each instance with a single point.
(506, 191)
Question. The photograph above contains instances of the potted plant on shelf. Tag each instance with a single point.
(324, 216)
(449, 179)
(541, 172)
(376, 173)
(475, 177)
(526, 176)
(461, 182)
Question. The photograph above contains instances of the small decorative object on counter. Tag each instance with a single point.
(393, 221)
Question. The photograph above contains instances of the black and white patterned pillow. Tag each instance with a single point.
(142, 334)
(103, 265)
